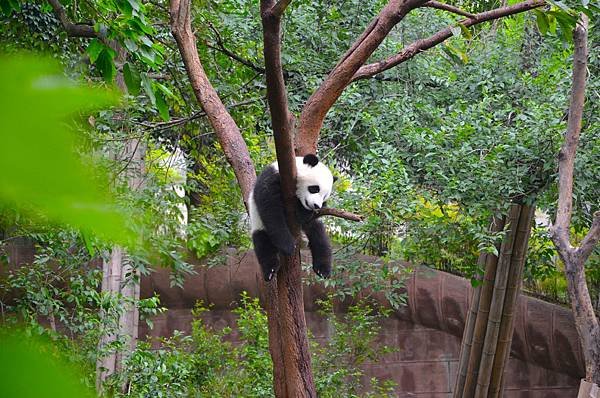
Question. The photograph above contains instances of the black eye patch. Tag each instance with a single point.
(314, 189)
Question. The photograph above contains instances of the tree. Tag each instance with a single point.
(574, 258)
(287, 328)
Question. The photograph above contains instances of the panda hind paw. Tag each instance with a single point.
(322, 271)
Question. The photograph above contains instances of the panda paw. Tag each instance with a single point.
(269, 274)
(322, 270)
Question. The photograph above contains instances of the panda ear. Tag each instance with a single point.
(335, 178)
(311, 160)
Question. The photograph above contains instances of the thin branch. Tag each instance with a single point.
(449, 8)
(421, 45)
(193, 116)
(221, 48)
(278, 9)
(338, 213)
(72, 29)
(590, 240)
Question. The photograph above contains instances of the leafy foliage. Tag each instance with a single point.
(22, 356)
(46, 175)
(207, 364)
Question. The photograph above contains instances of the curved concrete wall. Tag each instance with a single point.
(545, 334)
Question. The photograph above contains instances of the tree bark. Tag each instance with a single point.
(288, 341)
(574, 258)
(72, 29)
(227, 131)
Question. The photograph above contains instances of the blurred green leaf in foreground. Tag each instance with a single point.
(41, 170)
(30, 369)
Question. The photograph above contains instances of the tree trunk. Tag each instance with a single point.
(574, 258)
(121, 279)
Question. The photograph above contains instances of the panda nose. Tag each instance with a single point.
(317, 206)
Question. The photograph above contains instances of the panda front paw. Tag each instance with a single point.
(322, 270)
(269, 274)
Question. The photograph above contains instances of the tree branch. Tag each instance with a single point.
(278, 107)
(327, 211)
(590, 240)
(566, 156)
(449, 8)
(317, 106)
(421, 45)
(221, 48)
(196, 115)
(278, 9)
(72, 29)
(227, 131)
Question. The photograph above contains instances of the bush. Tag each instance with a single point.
(204, 364)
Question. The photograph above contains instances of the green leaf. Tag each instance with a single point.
(161, 105)
(8, 6)
(106, 65)
(43, 174)
(147, 85)
(165, 90)
(94, 49)
(465, 32)
(542, 21)
(22, 356)
(131, 45)
(132, 78)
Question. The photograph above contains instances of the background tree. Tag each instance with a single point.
(574, 258)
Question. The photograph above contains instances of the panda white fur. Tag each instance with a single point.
(270, 232)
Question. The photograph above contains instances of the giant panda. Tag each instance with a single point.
(270, 232)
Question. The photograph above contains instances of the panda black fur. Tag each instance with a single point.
(270, 232)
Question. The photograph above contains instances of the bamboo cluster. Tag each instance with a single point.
(489, 328)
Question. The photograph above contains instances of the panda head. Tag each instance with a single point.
(314, 182)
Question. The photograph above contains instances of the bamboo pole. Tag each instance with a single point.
(496, 225)
(487, 290)
(510, 301)
(497, 304)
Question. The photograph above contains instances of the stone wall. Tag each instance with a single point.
(546, 359)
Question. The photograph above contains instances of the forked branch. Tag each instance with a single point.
(317, 106)
(566, 157)
(279, 8)
(421, 45)
(72, 29)
(574, 258)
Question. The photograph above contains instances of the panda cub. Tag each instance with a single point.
(270, 232)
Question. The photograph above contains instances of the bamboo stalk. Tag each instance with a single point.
(510, 301)
(496, 225)
(496, 307)
(487, 290)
